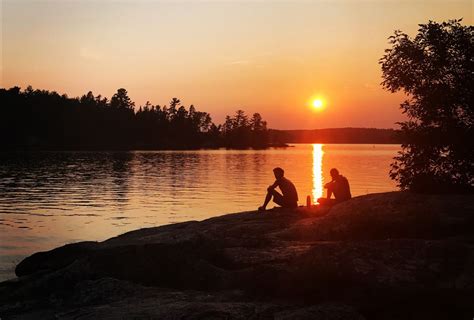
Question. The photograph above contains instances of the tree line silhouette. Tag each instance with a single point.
(44, 119)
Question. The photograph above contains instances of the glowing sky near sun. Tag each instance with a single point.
(263, 56)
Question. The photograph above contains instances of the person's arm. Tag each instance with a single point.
(273, 186)
(329, 184)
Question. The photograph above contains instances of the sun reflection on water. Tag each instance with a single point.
(317, 171)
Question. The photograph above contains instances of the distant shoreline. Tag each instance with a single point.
(339, 135)
(288, 145)
(278, 138)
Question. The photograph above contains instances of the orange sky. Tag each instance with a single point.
(261, 56)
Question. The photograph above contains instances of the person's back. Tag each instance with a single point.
(341, 189)
(289, 191)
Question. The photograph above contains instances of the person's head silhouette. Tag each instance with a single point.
(334, 173)
(278, 172)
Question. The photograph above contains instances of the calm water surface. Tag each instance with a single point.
(48, 199)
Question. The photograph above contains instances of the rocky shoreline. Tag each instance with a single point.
(392, 255)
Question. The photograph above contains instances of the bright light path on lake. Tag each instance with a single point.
(317, 171)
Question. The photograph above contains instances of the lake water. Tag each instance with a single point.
(48, 199)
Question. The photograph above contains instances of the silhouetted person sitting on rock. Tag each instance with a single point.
(289, 199)
(339, 186)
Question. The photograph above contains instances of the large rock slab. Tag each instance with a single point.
(380, 255)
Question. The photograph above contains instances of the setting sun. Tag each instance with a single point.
(318, 104)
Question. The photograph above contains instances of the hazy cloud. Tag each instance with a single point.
(239, 62)
(90, 54)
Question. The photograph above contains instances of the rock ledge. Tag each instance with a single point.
(391, 255)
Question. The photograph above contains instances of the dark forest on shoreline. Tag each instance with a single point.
(46, 120)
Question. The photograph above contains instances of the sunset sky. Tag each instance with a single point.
(260, 56)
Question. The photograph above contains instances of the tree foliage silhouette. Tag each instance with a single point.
(240, 132)
(435, 69)
(47, 120)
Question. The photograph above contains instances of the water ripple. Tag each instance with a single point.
(97, 195)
